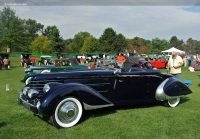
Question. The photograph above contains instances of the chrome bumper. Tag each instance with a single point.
(22, 101)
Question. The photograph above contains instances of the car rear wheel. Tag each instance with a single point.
(67, 113)
(28, 80)
(172, 102)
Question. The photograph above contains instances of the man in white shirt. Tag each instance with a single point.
(174, 65)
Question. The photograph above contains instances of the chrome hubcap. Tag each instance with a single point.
(173, 101)
(68, 112)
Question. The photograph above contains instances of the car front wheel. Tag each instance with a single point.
(172, 102)
(67, 113)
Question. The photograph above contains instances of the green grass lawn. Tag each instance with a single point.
(141, 121)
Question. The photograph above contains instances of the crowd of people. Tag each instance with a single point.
(192, 61)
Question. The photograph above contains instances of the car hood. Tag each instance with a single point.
(100, 72)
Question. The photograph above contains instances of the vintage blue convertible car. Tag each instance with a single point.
(64, 96)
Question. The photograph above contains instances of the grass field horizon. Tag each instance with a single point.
(137, 121)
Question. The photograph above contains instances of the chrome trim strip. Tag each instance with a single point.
(39, 81)
(103, 91)
(99, 84)
(138, 76)
(92, 107)
(115, 83)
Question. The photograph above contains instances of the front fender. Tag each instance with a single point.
(88, 96)
(30, 74)
(171, 88)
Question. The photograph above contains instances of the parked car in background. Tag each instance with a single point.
(64, 96)
(62, 55)
(131, 61)
(45, 60)
(64, 64)
(145, 56)
(160, 63)
(91, 57)
(137, 61)
(4, 54)
(25, 59)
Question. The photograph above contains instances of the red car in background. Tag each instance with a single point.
(159, 63)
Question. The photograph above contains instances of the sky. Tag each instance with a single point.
(147, 21)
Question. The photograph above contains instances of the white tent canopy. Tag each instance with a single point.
(173, 49)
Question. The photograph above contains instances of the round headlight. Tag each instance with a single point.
(25, 90)
(32, 93)
(46, 88)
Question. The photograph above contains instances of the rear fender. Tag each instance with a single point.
(88, 97)
(171, 88)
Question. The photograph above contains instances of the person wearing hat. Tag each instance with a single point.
(174, 65)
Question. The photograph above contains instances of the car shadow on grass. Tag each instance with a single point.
(2, 124)
(111, 110)
(184, 99)
(44, 118)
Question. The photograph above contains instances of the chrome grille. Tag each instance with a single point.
(39, 84)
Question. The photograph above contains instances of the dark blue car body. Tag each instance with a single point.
(47, 94)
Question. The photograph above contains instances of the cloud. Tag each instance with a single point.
(144, 21)
(103, 2)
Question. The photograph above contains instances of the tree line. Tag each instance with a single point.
(30, 36)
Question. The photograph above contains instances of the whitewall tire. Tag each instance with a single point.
(67, 113)
(172, 102)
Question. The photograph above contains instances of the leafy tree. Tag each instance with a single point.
(16, 33)
(32, 29)
(78, 42)
(159, 45)
(197, 43)
(11, 30)
(90, 44)
(42, 44)
(175, 42)
(190, 46)
(119, 44)
(70, 48)
(53, 33)
(139, 45)
(107, 39)
(146, 46)
(131, 47)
